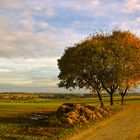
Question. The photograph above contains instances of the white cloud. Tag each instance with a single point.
(83, 6)
(29, 72)
(23, 39)
(34, 34)
(28, 64)
(41, 8)
(11, 4)
(131, 6)
(132, 25)
(27, 25)
(43, 25)
(23, 36)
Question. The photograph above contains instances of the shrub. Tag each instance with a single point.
(71, 113)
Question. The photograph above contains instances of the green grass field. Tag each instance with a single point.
(17, 122)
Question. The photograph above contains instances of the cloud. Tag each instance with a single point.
(25, 35)
(28, 78)
(36, 7)
(29, 72)
(43, 25)
(41, 8)
(11, 4)
(131, 6)
(132, 25)
(81, 5)
(34, 34)
(28, 64)
(29, 51)
(28, 43)
(31, 34)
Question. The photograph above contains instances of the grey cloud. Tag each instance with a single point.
(36, 89)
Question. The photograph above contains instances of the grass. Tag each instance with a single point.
(16, 122)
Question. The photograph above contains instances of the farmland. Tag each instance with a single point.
(34, 116)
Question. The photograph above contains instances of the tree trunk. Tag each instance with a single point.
(122, 95)
(111, 99)
(100, 99)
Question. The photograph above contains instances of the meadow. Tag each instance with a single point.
(33, 117)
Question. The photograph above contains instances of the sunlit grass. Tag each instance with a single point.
(8, 107)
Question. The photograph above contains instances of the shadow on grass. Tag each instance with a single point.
(38, 119)
(8, 138)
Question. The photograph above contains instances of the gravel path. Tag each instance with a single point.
(125, 125)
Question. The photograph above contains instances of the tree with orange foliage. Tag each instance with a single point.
(123, 68)
(124, 86)
(105, 61)
(129, 63)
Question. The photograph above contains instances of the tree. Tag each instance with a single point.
(101, 62)
(130, 74)
(80, 66)
(124, 86)
(123, 67)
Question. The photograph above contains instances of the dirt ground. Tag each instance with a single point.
(124, 125)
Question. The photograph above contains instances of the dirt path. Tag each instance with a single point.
(125, 125)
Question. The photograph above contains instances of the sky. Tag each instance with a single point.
(35, 33)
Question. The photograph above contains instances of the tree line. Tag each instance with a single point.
(103, 62)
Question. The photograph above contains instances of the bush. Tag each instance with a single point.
(72, 113)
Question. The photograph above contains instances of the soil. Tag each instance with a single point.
(124, 125)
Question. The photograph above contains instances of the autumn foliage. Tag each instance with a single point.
(70, 114)
(108, 62)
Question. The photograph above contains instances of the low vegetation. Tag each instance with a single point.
(16, 97)
(41, 118)
(78, 114)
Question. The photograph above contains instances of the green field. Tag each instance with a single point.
(19, 118)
